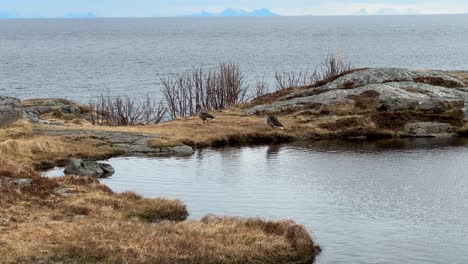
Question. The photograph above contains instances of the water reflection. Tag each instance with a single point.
(418, 144)
(392, 201)
(272, 151)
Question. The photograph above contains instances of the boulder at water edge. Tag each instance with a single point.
(88, 168)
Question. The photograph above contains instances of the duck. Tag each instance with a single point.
(204, 115)
(273, 121)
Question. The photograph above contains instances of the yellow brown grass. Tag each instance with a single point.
(230, 127)
(94, 225)
(27, 148)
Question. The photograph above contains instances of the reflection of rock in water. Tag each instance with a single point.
(272, 151)
(382, 145)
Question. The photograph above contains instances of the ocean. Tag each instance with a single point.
(80, 58)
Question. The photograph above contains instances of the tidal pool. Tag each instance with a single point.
(393, 201)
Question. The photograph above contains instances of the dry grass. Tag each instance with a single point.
(46, 151)
(21, 144)
(230, 127)
(229, 241)
(20, 129)
(94, 225)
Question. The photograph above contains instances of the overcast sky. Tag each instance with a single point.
(149, 8)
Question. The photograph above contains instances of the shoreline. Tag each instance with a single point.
(364, 104)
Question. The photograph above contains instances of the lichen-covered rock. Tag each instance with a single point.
(386, 75)
(79, 167)
(11, 110)
(399, 89)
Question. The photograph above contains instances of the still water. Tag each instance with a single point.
(396, 201)
(79, 58)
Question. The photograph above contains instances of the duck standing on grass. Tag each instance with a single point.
(274, 122)
(204, 115)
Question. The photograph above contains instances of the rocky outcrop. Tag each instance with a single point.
(125, 142)
(381, 95)
(395, 89)
(79, 167)
(35, 108)
(11, 110)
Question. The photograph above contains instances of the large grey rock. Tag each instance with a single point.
(386, 75)
(79, 167)
(395, 89)
(429, 129)
(11, 110)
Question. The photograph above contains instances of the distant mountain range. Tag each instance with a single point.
(232, 12)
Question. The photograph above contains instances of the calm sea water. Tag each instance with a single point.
(402, 201)
(78, 59)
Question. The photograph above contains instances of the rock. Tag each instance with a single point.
(125, 142)
(181, 150)
(11, 110)
(65, 192)
(429, 129)
(32, 115)
(108, 169)
(88, 168)
(398, 90)
(386, 75)
(34, 108)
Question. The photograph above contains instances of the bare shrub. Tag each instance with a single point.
(261, 87)
(178, 91)
(332, 66)
(211, 89)
(286, 79)
(125, 111)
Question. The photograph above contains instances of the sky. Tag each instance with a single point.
(152, 8)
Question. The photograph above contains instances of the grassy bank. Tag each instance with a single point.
(79, 220)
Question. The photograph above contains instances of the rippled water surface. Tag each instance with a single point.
(365, 202)
(78, 58)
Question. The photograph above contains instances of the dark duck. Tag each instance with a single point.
(273, 121)
(204, 115)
